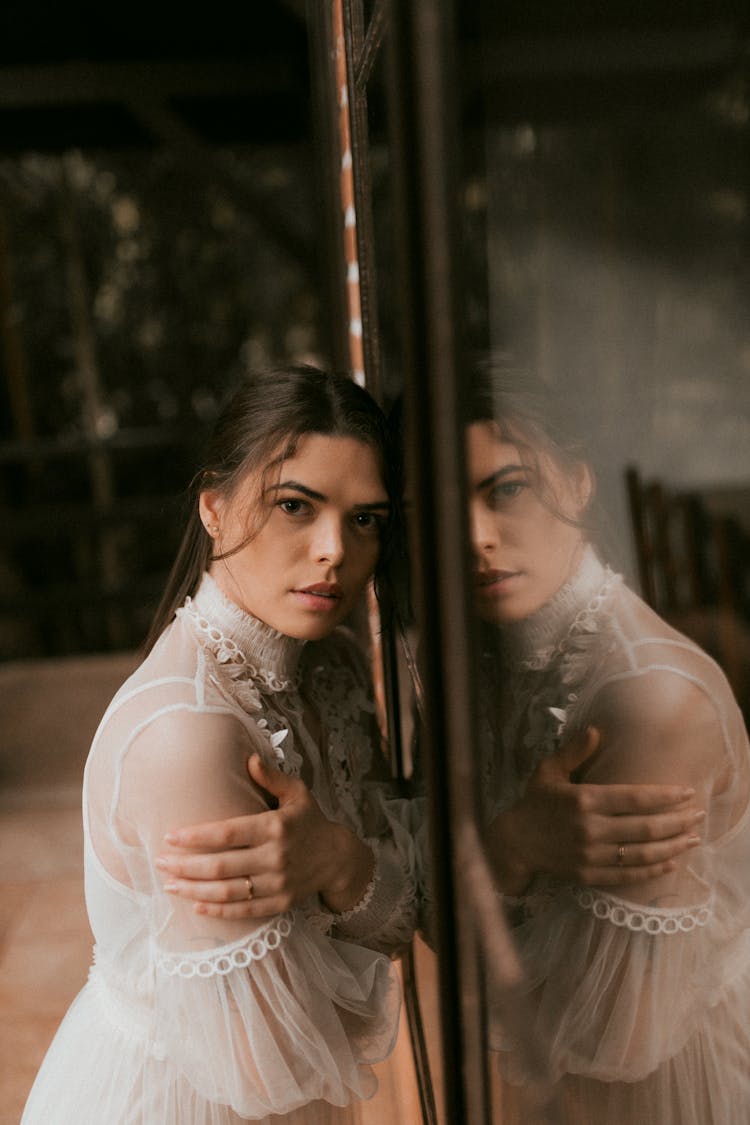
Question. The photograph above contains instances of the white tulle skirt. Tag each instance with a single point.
(97, 1074)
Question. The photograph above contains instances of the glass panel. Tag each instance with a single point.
(607, 163)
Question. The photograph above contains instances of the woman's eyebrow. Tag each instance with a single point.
(499, 474)
(297, 487)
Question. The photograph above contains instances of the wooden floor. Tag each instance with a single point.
(47, 717)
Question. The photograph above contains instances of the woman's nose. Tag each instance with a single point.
(485, 535)
(328, 543)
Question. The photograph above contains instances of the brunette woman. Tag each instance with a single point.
(191, 1020)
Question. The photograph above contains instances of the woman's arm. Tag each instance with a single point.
(620, 981)
(596, 834)
(558, 827)
(289, 853)
(260, 1016)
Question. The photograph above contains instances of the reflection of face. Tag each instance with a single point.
(523, 551)
(303, 570)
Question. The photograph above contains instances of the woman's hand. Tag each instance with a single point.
(599, 835)
(263, 864)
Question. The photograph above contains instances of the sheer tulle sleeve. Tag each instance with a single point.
(386, 917)
(619, 983)
(263, 1018)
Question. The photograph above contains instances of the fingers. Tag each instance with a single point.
(271, 779)
(646, 829)
(645, 855)
(223, 891)
(248, 908)
(623, 864)
(210, 868)
(577, 750)
(229, 898)
(237, 832)
(621, 800)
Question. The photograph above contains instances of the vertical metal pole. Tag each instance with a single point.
(348, 206)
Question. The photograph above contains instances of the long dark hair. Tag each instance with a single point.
(260, 426)
(536, 419)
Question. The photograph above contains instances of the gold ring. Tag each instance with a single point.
(250, 887)
(621, 854)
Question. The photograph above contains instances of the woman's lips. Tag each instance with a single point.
(491, 583)
(323, 597)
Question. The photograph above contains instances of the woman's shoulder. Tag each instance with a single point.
(640, 640)
(648, 670)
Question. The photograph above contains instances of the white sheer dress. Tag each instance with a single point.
(188, 1020)
(641, 999)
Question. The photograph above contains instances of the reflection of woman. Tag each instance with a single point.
(641, 998)
(190, 1019)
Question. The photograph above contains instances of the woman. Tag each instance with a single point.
(189, 1020)
(640, 999)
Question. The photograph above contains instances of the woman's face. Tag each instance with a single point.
(523, 551)
(323, 514)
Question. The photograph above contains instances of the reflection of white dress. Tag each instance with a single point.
(641, 999)
(187, 1020)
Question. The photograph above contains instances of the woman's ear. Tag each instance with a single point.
(583, 487)
(210, 506)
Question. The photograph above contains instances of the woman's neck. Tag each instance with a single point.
(545, 628)
(272, 653)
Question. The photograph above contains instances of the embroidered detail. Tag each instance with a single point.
(227, 652)
(276, 741)
(235, 676)
(340, 696)
(545, 697)
(652, 920)
(224, 961)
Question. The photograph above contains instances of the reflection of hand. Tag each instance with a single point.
(605, 835)
(289, 853)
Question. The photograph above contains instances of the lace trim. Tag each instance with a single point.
(225, 961)
(367, 897)
(228, 651)
(654, 920)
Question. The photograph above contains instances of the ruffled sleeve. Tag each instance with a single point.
(386, 916)
(619, 984)
(615, 988)
(262, 1018)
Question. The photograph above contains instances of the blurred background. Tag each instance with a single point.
(157, 237)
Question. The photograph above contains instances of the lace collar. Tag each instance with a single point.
(236, 638)
(535, 639)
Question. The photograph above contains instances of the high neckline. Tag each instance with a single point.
(271, 656)
(542, 631)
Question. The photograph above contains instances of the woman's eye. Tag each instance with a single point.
(508, 490)
(367, 521)
(293, 506)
